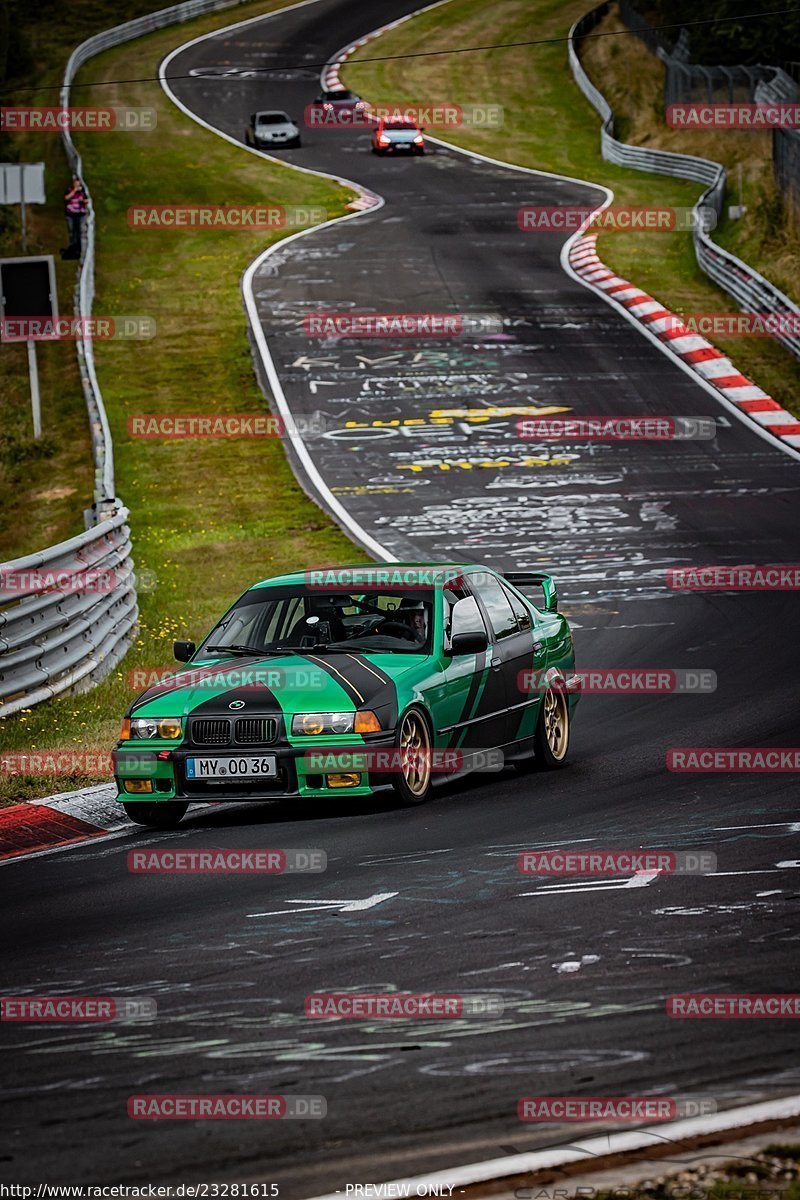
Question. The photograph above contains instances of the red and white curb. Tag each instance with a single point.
(697, 353)
(589, 1150)
(716, 372)
(60, 820)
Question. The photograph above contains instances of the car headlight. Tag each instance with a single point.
(168, 728)
(315, 724)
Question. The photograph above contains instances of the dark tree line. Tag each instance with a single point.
(731, 38)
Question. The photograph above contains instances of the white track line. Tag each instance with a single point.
(592, 1148)
(566, 249)
(326, 497)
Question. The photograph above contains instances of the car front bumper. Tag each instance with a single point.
(301, 771)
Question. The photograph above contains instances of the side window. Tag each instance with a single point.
(496, 602)
(520, 611)
(451, 594)
(282, 618)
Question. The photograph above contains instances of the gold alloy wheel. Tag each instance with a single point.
(415, 753)
(556, 722)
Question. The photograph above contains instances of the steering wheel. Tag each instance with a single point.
(395, 629)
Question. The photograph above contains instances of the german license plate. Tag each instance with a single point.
(246, 766)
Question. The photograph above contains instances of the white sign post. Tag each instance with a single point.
(22, 183)
(27, 290)
(36, 407)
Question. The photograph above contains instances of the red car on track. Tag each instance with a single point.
(397, 136)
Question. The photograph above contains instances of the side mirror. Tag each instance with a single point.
(467, 630)
(183, 651)
(468, 643)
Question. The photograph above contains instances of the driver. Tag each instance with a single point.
(417, 620)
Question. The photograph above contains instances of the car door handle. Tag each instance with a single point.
(497, 662)
(538, 647)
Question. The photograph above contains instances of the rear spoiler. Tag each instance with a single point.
(523, 579)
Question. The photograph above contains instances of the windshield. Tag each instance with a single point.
(300, 619)
(272, 118)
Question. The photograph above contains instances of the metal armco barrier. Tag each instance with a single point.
(66, 615)
(64, 632)
(751, 291)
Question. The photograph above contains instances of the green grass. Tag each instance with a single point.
(549, 125)
(207, 516)
(45, 485)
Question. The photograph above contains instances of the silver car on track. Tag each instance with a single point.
(272, 129)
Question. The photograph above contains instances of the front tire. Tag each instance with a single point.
(413, 742)
(551, 739)
(164, 814)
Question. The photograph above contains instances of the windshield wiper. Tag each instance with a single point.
(336, 649)
(240, 649)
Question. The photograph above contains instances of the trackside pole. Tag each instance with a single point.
(33, 372)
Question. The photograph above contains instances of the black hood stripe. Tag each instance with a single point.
(253, 694)
(198, 677)
(355, 694)
(373, 670)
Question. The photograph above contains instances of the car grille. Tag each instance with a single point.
(247, 731)
(255, 731)
(207, 732)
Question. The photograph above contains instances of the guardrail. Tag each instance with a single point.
(67, 615)
(59, 629)
(84, 289)
(751, 291)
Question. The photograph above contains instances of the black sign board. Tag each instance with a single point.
(28, 287)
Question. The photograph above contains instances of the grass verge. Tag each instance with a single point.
(550, 126)
(208, 516)
(45, 485)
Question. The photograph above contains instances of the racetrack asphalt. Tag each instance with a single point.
(229, 959)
